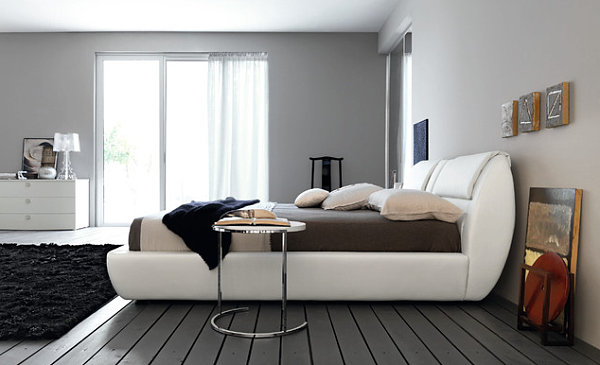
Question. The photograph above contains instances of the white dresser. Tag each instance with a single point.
(44, 204)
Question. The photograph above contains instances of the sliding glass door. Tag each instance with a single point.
(151, 124)
(131, 139)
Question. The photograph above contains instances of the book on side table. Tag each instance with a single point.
(252, 217)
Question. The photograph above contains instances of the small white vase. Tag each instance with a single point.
(46, 172)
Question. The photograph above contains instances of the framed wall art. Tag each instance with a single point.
(421, 141)
(529, 112)
(510, 118)
(37, 151)
(557, 105)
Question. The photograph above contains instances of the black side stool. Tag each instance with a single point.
(325, 171)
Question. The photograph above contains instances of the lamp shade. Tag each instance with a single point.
(66, 142)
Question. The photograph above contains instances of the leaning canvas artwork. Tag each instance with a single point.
(509, 118)
(529, 112)
(553, 223)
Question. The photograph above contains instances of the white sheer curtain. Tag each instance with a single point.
(238, 96)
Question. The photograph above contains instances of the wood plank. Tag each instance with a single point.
(487, 338)
(236, 350)
(6, 345)
(409, 344)
(119, 345)
(208, 344)
(464, 341)
(84, 350)
(148, 346)
(352, 346)
(22, 351)
(537, 354)
(179, 344)
(565, 353)
(440, 347)
(265, 351)
(59, 347)
(295, 347)
(323, 343)
(381, 345)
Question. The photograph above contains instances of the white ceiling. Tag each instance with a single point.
(194, 15)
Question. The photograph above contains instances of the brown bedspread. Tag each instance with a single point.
(364, 230)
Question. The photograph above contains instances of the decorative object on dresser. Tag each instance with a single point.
(66, 143)
(510, 116)
(552, 241)
(44, 204)
(34, 150)
(48, 289)
(557, 105)
(529, 112)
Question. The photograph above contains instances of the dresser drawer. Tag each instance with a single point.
(37, 205)
(38, 221)
(33, 188)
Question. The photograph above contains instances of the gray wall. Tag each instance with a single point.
(469, 57)
(326, 95)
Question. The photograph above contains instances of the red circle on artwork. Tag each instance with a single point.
(559, 288)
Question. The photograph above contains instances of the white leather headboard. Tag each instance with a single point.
(488, 224)
(458, 176)
(418, 175)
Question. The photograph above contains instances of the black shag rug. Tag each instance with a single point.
(46, 290)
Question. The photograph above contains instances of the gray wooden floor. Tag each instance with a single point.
(127, 332)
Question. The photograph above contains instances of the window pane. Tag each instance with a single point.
(131, 139)
(187, 142)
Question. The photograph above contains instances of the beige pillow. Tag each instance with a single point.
(378, 198)
(311, 198)
(350, 197)
(411, 205)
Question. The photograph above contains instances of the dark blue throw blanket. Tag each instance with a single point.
(193, 222)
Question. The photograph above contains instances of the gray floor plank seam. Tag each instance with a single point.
(178, 346)
(502, 349)
(85, 349)
(443, 350)
(566, 353)
(511, 336)
(466, 343)
(408, 342)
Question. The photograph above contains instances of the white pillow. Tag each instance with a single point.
(418, 175)
(378, 198)
(311, 198)
(411, 205)
(350, 197)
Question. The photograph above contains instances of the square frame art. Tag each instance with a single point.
(35, 152)
(557, 105)
(529, 112)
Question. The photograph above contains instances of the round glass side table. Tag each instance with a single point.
(294, 227)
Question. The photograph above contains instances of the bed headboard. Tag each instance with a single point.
(488, 223)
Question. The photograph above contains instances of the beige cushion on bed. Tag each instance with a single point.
(350, 197)
(378, 198)
(311, 198)
(411, 205)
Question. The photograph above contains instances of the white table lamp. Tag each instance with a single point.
(66, 143)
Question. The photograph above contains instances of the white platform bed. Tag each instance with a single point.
(484, 192)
